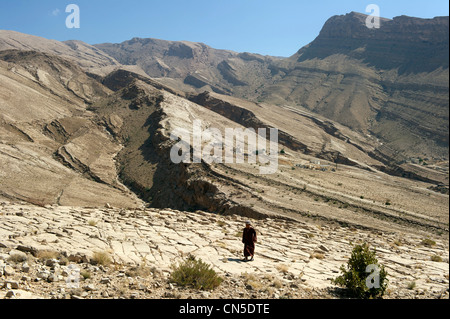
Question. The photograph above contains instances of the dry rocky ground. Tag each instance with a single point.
(41, 249)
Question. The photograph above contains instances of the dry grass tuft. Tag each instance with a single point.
(101, 258)
(47, 254)
(283, 268)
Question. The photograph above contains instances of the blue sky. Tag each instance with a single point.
(277, 27)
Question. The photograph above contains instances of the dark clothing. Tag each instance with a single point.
(249, 239)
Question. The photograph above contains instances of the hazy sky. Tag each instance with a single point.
(277, 27)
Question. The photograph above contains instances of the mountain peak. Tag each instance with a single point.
(358, 15)
(408, 43)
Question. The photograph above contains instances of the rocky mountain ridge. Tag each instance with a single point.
(412, 45)
(122, 140)
(391, 83)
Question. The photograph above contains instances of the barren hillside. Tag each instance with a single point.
(391, 82)
(87, 140)
(325, 171)
(51, 148)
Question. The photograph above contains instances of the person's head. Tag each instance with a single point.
(248, 224)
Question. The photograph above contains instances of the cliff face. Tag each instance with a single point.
(391, 82)
(411, 45)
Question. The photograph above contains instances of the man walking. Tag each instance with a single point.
(249, 239)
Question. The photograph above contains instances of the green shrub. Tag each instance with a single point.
(85, 274)
(428, 242)
(195, 273)
(411, 285)
(361, 284)
(436, 258)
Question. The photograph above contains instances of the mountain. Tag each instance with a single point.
(391, 82)
(83, 54)
(86, 56)
(187, 65)
(408, 44)
(52, 151)
(94, 129)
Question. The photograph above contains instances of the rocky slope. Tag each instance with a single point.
(390, 82)
(41, 247)
(122, 136)
(83, 54)
(194, 66)
(51, 148)
(147, 115)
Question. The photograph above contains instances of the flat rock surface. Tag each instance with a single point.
(292, 259)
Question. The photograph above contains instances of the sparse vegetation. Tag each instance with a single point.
(411, 285)
(436, 258)
(17, 258)
(253, 281)
(92, 222)
(101, 258)
(43, 255)
(141, 270)
(283, 268)
(196, 274)
(428, 242)
(355, 278)
(275, 281)
(85, 274)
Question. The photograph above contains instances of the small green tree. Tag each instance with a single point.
(363, 276)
